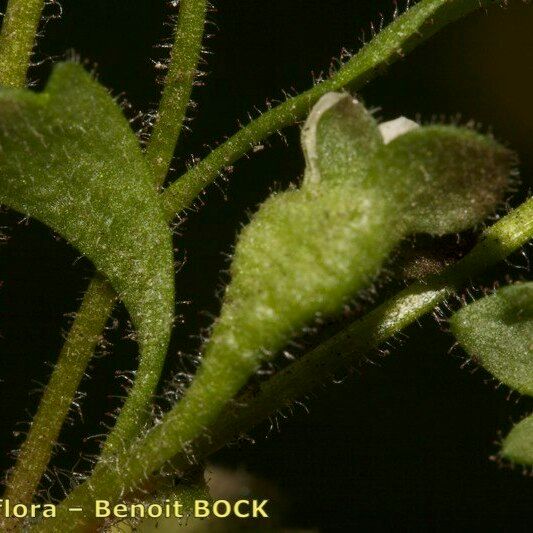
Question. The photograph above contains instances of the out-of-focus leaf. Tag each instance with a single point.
(517, 447)
(497, 331)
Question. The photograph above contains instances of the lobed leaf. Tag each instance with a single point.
(306, 252)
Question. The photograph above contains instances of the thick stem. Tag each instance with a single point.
(17, 38)
(179, 82)
(184, 426)
(56, 402)
(400, 37)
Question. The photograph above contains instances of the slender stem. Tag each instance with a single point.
(83, 337)
(17, 38)
(181, 429)
(179, 81)
(400, 37)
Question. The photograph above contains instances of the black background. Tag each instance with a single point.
(401, 444)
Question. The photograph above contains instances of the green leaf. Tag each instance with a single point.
(436, 179)
(305, 252)
(69, 159)
(497, 331)
(517, 447)
(442, 179)
(308, 251)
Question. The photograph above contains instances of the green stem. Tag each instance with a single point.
(184, 425)
(83, 337)
(400, 37)
(179, 82)
(17, 38)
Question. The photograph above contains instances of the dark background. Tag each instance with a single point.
(401, 444)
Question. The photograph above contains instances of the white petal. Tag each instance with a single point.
(394, 128)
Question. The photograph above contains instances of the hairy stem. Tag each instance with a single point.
(178, 433)
(179, 82)
(408, 31)
(83, 337)
(17, 38)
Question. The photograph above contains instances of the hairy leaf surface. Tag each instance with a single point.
(69, 158)
(307, 251)
(442, 179)
(497, 331)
